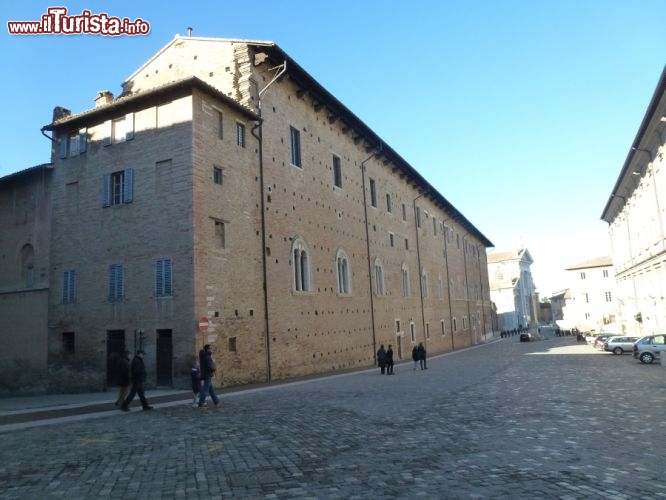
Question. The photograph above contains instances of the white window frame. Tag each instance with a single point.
(240, 134)
(300, 258)
(343, 272)
(380, 285)
(405, 280)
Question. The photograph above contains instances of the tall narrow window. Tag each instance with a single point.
(434, 226)
(609, 297)
(337, 172)
(404, 212)
(582, 276)
(220, 233)
(116, 283)
(28, 265)
(163, 278)
(389, 203)
(373, 193)
(441, 324)
(301, 266)
(412, 331)
(418, 217)
(405, 280)
(455, 325)
(68, 342)
(424, 283)
(69, 287)
(391, 240)
(440, 288)
(379, 278)
(220, 123)
(427, 330)
(342, 263)
(295, 138)
(240, 135)
(605, 273)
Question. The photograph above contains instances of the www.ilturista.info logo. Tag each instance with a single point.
(57, 22)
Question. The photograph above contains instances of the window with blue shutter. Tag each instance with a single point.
(118, 188)
(129, 126)
(69, 287)
(83, 140)
(116, 283)
(62, 146)
(163, 278)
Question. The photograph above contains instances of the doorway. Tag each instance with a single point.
(164, 358)
(115, 345)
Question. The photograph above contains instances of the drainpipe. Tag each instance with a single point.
(418, 260)
(448, 286)
(483, 300)
(469, 314)
(257, 132)
(367, 246)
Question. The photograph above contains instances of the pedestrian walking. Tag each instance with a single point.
(422, 356)
(389, 360)
(196, 381)
(208, 368)
(138, 378)
(381, 358)
(123, 376)
(415, 356)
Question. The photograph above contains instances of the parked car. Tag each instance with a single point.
(619, 344)
(599, 341)
(525, 337)
(649, 348)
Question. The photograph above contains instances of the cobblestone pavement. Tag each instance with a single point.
(549, 419)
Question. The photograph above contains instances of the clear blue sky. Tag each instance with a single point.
(520, 112)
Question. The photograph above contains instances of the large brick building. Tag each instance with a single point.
(226, 183)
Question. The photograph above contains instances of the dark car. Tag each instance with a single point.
(525, 337)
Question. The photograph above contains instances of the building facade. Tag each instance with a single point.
(591, 304)
(225, 187)
(512, 289)
(636, 217)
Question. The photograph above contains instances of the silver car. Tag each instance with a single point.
(619, 344)
(649, 348)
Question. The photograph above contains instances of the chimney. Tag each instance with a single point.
(103, 97)
(59, 113)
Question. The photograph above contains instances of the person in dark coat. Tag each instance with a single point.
(381, 358)
(415, 356)
(422, 356)
(389, 360)
(138, 377)
(207, 367)
(123, 376)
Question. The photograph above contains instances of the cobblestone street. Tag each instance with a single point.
(549, 419)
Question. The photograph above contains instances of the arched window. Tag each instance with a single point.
(405, 281)
(28, 265)
(301, 264)
(424, 283)
(343, 272)
(379, 278)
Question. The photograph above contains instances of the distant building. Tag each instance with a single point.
(512, 288)
(636, 214)
(592, 306)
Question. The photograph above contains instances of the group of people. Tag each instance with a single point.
(134, 375)
(385, 358)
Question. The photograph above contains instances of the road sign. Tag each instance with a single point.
(203, 324)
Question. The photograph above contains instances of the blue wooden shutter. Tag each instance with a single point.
(167, 277)
(112, 283)
(83, 140)
(129, 126)
(106, 190)
(120, 286)
(128, 185)
(159, 278)
(62, 145)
